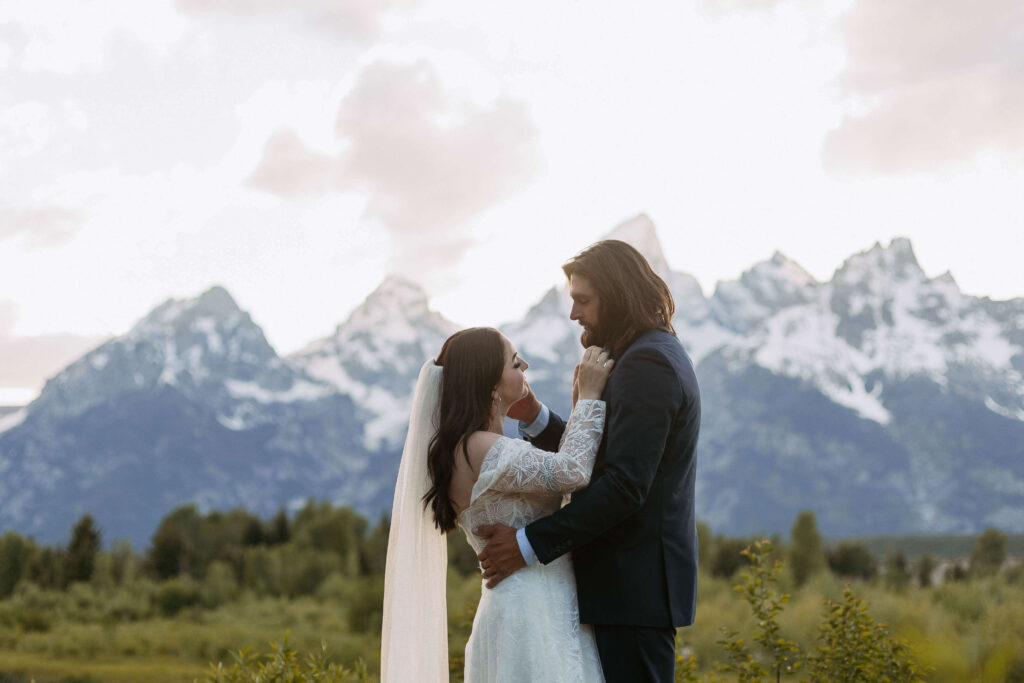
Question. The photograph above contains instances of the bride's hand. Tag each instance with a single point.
(592, 373)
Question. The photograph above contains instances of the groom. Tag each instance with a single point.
(632, 531)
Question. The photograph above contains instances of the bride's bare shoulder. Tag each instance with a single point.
(466, 473)
(477, 445)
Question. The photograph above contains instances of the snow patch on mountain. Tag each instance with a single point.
(300, 390)
(990, 403)
(12, 420)
(800, 342)
(762, 291)
(880, 315)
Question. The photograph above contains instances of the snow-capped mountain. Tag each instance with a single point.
(376, 355)
(881, 320)
(885, 400)
(192, 405)
(206, 349)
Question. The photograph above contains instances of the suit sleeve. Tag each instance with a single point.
(551, 437)
(646, 396)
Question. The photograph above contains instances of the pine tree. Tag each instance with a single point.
(897, 574)
(925, 566)
(807, 552)
(280, 529)
(81, 556)
(989, 553)
(15, 557)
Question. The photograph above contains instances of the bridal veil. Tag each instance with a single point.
(414, 635)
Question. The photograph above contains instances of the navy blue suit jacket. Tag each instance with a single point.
(632, 531)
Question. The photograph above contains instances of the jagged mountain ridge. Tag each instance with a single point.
(376, 355)
(885, 400)
(916, 392)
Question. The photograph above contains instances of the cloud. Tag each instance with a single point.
(427, 160)
(931, 87)
(39, 226)
(358, 19)
(288, 168)
(30, 359)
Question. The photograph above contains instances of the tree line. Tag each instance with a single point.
(289, 556)
(807, 554)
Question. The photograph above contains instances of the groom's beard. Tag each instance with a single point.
(592, 335)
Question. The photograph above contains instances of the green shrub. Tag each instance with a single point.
(897, 573)
(176, 594)
(758, 590)
(366, 606)
(283, 664)
(852, 560)
(219, 586)
(989, 553)
(1015, 573)
(305, 569)
(33, 620)
(854, 647)
(851, 646)
(727, 557)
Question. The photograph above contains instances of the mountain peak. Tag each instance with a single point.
(640, 233)
(761, 291)
(395, 282)
(217, 301)
(396, 292)
(900, 252)
(781, 267)
(894, 261)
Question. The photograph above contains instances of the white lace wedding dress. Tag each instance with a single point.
(527, 629)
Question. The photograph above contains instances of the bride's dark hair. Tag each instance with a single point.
(473, 361)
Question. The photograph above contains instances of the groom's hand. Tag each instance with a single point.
(501, 558)
(525, 409)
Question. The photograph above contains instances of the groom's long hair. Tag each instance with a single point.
(473, 361)
(632, 298)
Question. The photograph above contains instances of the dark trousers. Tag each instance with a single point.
(635, 654)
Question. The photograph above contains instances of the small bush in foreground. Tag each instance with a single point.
(851, 645)
(283, 665)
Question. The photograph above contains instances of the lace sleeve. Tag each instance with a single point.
(514, 465)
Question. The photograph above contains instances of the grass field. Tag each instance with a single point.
(968, 631)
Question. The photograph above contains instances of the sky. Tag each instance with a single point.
(298, 151)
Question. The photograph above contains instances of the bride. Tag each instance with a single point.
(458, 469)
